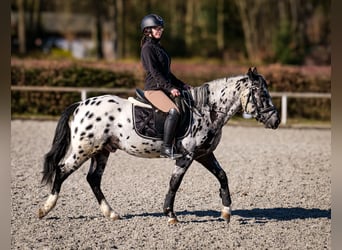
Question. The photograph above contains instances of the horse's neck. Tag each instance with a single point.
(224, 93)
(221, 96)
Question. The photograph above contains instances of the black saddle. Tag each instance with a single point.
(149, 122)
(140, 96)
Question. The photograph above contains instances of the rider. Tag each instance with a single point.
(160, 83)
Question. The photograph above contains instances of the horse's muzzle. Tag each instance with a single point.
(273, 120)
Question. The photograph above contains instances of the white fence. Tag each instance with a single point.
(84, 90)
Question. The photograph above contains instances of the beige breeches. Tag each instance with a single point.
(160, 100)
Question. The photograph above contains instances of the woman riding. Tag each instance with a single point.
(160, 83)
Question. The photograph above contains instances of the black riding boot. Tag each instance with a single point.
(169, 134)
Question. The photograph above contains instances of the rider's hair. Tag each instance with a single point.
(146, 33)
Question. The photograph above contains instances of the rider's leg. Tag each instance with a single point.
(169, 134)
(160, 100)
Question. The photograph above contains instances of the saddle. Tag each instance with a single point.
(148, 120)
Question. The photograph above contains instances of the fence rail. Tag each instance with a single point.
(84, 90)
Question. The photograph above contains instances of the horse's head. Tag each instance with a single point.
(257, 101)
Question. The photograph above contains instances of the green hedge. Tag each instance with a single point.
(75, 76)
(53, 103)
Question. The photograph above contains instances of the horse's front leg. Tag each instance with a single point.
(209, 162)
(178, 173)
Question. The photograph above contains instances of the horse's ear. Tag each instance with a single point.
(252, 72)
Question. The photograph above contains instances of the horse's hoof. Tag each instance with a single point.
(41, 213)
(115, 217)
(226, 214)
(172, 221)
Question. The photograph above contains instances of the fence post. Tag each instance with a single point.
(83, 94)
(283, 109)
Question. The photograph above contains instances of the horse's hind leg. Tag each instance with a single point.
(94, 177)
(209, 162)
(72, 163)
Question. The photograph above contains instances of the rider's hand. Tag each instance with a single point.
(175, 92)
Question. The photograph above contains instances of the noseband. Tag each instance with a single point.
(259, 110)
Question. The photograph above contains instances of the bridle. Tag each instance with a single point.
(260, 111)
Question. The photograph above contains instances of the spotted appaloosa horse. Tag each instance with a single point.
(93, 128)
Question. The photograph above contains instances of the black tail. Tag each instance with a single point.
(60, 145)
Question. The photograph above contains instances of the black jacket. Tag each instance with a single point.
(156, 63)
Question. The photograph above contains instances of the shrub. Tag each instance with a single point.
(53, 103)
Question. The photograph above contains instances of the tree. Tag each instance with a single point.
(220, 25)
(265, 30)
(189, 23)
(98, 28)
(253, 16)
(21, 27)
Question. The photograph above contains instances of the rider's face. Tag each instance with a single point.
(157, 32)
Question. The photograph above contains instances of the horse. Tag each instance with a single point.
(100, 125)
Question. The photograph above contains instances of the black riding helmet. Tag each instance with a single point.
(151, 20)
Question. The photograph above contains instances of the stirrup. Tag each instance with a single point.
(171, 155)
